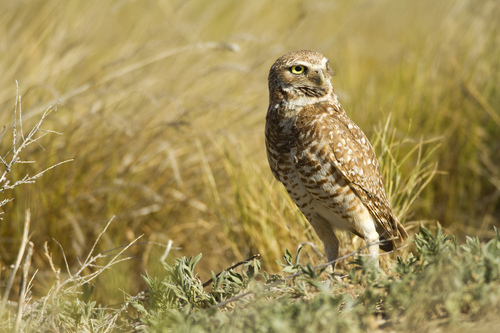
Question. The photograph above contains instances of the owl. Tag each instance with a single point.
(323, 159)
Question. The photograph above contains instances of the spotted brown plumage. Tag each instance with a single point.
(324, 160)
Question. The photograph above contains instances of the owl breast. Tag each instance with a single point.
(303, 161)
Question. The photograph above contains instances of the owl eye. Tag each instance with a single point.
(298, 69)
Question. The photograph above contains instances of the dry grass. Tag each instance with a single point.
(162, 107)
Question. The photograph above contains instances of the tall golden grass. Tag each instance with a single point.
(162, 104)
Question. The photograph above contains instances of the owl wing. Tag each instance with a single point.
(357, 162)
(275, 142)
(353, 156)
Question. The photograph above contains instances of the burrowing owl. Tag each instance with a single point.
(324, 160)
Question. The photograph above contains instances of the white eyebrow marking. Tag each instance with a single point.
(301, 63)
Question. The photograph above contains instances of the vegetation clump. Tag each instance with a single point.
(443, 284)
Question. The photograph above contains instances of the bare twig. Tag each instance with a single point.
(19, 143)
(113, 261)
(167, 251)
(17, 264)
(14, 132)
(31, 179)
(110, 323)
(232, 267)
(314, 247)
(90, 261)
(98, 238)
(64, 257)
(23, 286)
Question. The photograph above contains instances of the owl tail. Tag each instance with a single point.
(391, 238)
(403, 235)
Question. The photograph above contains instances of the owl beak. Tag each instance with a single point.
(320, 77)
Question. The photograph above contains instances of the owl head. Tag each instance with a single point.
(299, 74)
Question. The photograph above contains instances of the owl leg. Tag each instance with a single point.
(371, 236)
(325, 233)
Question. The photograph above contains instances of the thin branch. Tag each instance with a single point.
(18, 102)
(23, 286)
(314, 247)
(167, 251)
(31, 179)
(112, 262)
(51, 262)
(232, 267)
(20, 254)
(64, 257)
(97, 240)
(38, 175)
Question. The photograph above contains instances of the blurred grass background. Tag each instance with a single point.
(162, 107)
